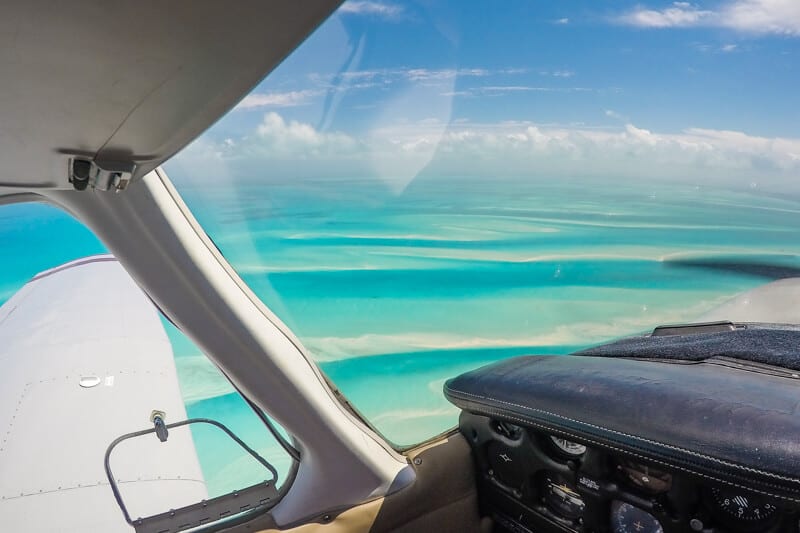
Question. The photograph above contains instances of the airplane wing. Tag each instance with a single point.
(84, 358)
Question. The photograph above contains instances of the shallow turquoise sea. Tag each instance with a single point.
(394, 290)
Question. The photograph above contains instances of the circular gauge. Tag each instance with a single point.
(744, 508)
(562, 499)
(567, 447)
(625, 518)
(646, 477)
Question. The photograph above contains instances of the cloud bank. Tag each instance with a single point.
(506, 149)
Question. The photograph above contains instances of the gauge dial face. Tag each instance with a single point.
(562, 499)
(567, 447)
(625, 518)
(650, 479)
(743, 507)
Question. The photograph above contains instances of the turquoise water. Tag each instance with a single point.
(393, 291)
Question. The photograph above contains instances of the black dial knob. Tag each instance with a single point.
(742, 508)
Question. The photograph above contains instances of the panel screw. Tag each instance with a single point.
(417, 461)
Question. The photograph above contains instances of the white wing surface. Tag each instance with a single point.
(84, 358)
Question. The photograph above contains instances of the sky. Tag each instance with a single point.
(705, 92)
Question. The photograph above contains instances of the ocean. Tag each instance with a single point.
(393, 290)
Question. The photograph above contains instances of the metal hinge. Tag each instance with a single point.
(104, 176)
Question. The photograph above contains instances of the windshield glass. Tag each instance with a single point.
(424, 187)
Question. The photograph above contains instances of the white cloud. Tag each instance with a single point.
(679, 14)
(557, 73)
(365, 79)
(285, 99)
(417, 74)
(278, 137)
(763, 16)
(715, 48)
(424, 74)
(365, 7)
(562, 21)
(512, 149)
(499, 90)
(356, 79)
(752, 16)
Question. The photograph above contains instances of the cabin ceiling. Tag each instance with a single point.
(130, 81)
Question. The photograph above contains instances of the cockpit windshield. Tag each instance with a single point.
(426, 186)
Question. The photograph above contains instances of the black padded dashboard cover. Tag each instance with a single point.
(771, 344)
(719, 421)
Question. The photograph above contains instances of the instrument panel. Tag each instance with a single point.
(538, 482)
